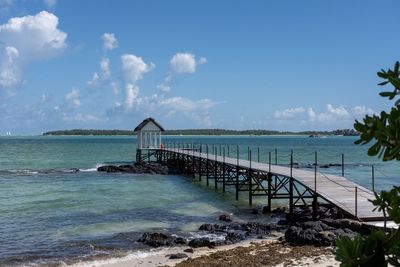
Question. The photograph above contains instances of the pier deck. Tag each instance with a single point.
(257, 179)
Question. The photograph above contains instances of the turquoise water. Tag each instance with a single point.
(49, 211)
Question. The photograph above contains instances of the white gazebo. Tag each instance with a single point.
(149, 134)
(148, 138)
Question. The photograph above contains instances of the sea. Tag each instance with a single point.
(56, 209)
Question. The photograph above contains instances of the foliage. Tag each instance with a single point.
(384, 128)
(345, 132)
(380, 248)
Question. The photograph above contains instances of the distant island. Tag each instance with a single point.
(344, 132)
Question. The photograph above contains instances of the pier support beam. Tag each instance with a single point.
(269, 192)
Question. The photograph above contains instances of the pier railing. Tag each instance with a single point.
(223, 157)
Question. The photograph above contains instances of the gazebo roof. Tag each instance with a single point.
(146, 121)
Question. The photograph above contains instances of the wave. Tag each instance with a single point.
(18, 172)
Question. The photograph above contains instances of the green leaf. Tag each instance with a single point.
(396, 67)
(386, 94)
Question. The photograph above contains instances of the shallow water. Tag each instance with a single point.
(50, 212)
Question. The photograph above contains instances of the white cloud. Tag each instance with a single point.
(134, 68)
(72, 98)
(9, 71)
(85, 117)
(132, 95)
(80, 117)
(289, 113)
(105, 74)
(105, 68)
(115, 88)
(34, 36)
(50, 3)
(312, 116)
(26, 39)
(164, 88)
(362, 110)
(183, 63)
(333, 114)
(94, 82)
(339, 111)
(109, 41)
(184, 104)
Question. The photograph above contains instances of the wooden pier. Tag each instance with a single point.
(271, 181)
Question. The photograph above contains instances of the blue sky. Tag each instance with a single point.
(280, 65)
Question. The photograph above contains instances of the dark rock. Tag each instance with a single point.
(156, 239)
(296, 236)
(317, 226)
(207, 227)
(254, 211)
(189, 250)
(282, 222)
(335, 164)
(180, 241)
(234, 237)
(137, 167)
(265, 209)
(280, 210)
(177, 256)
(354, 226)
(225, 218)
(201, 242)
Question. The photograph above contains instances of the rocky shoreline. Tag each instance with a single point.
(138, 168)
(296, 229)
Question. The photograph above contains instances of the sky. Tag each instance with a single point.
(276, 65)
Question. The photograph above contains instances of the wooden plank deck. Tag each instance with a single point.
(335, 189)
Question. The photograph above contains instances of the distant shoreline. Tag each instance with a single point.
(203, 132)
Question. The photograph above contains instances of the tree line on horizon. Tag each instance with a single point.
(344, 132)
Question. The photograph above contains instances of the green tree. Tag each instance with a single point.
(380, 248)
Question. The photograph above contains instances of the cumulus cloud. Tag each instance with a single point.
(26, 39)
(105, 68)
(72, 98)
(134, 67)
(109, 41)
(362, 110)
(185, 62)
(132, 95)
(105, 74)
(331, 115)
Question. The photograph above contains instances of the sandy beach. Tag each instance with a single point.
(252, 252)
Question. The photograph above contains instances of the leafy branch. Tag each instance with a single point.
(380, 248)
